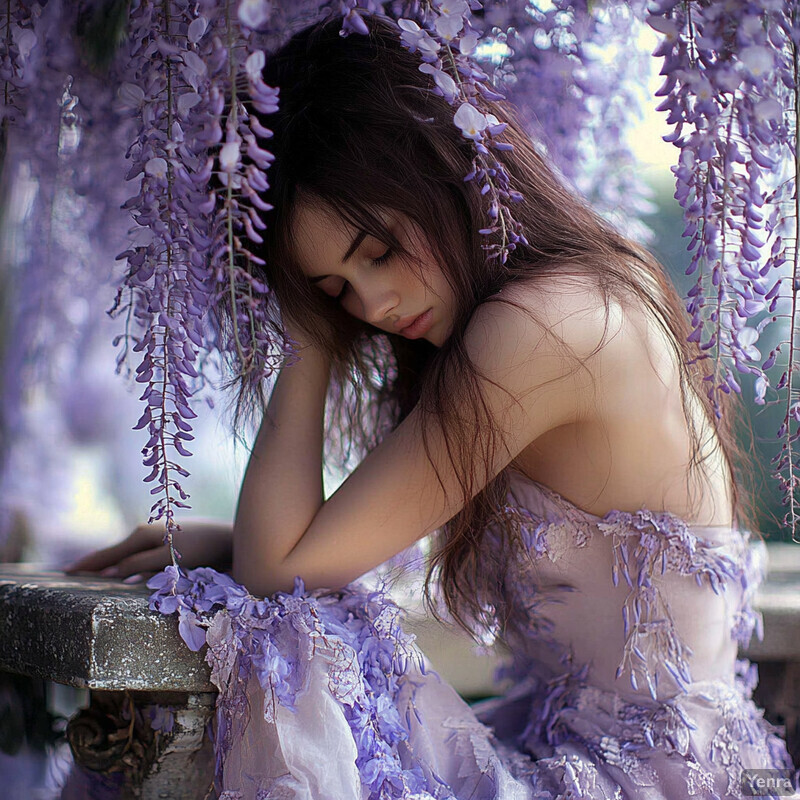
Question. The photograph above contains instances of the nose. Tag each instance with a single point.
(377, 303)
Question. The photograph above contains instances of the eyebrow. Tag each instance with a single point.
(354, 245)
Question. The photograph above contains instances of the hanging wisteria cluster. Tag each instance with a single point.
(192, 68)
(731, 74)
(445, 38)
(163, 125)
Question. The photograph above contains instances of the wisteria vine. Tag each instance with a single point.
(730, 87)
(198, 194)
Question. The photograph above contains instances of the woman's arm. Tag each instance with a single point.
(539, 375)
(282, 488)
(394, 497)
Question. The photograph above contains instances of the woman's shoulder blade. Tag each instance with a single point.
(557, 323)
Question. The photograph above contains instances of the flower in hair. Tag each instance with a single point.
(445, 36)
(471, 121)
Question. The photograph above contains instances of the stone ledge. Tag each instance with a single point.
(91, 633)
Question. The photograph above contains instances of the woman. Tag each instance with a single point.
(529, 411)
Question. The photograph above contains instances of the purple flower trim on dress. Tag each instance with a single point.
(532, 600)
(665, 543)
(359, 636)
(665, 726)
(644, 544)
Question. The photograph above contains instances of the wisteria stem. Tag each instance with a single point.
(229, 192)
(794, 322)
(165, 344)
(722, 279)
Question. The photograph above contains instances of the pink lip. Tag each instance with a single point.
(418, 326)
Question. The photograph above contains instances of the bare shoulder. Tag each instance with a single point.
(538, 343)
(566, 318)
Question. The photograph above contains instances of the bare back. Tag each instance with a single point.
(633, 447)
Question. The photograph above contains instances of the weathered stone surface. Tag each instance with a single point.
(150, 745)
(92, 633)
(184, 766)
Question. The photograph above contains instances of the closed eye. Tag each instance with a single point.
(376, 262)
(384, 258)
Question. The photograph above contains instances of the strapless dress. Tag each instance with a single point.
(623, 681)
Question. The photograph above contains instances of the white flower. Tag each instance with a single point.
(470, 120)
(449, 27)
(156, 168)
(414, 37)
(760, 388)
(408, 25)
(254, 13)
(129, 97)
(452, 8)
(746, 338)
(254, 64)
(229, 156)
(25, 39)
(701, 86)
(445, 83)
(468, 43)
(757, 60)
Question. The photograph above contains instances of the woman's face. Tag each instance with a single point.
(371, 281)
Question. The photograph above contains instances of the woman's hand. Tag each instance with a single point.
(143, 552)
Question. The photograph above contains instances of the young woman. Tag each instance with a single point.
(544, 417)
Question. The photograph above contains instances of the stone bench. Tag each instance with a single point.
(100, 635)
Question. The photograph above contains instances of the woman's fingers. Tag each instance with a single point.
(147, 562)
(141, 539)
(144, 551)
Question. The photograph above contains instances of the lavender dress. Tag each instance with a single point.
(624, 684)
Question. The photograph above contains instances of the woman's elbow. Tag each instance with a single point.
(263, 581)
(258, 579)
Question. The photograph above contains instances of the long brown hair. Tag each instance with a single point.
(358, 130)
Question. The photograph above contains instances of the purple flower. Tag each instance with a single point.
(254, 13)
(162, 718)
(190, 630)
